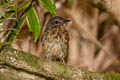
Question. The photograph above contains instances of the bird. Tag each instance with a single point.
(55, 40)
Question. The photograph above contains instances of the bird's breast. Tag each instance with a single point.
(55, 42)
(56, 35)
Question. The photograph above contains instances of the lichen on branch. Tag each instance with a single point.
(49, 69)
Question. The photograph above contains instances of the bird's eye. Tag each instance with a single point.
(56, 22)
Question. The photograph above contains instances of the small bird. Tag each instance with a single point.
(55, 39)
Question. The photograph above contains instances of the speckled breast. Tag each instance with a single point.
(55, 43)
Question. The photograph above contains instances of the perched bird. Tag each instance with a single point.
(55, 39)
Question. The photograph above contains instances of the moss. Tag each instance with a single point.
(67, 72)
(110, 76)
(32, 60)
(60, 64)
(98, 76)
(64, 69)
(92, 75)
(56, 68)
(23, 56)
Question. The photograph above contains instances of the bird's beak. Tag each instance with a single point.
(66, 21)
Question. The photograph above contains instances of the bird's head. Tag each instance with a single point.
(56, 22)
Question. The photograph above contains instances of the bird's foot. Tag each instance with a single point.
(64, 62)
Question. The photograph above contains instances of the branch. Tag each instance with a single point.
(6, 74)
(49, 69)
(108, 5)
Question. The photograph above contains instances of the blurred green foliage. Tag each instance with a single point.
(49, 5)
(70, 2)
(33, 22)
(19, 12)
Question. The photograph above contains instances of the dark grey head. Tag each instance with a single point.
(56, 22)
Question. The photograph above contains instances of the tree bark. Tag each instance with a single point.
(31, 64)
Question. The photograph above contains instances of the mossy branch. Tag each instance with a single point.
(50, 69)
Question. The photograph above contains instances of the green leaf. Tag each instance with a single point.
(4, 43)
(33, 22)
(11, 1)
(70, 2)
(11, 10)
(6, 17)
(49, 5)
(24, 5)
(15, 32)
(11, 7)
(7, 13)
(2, 13)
